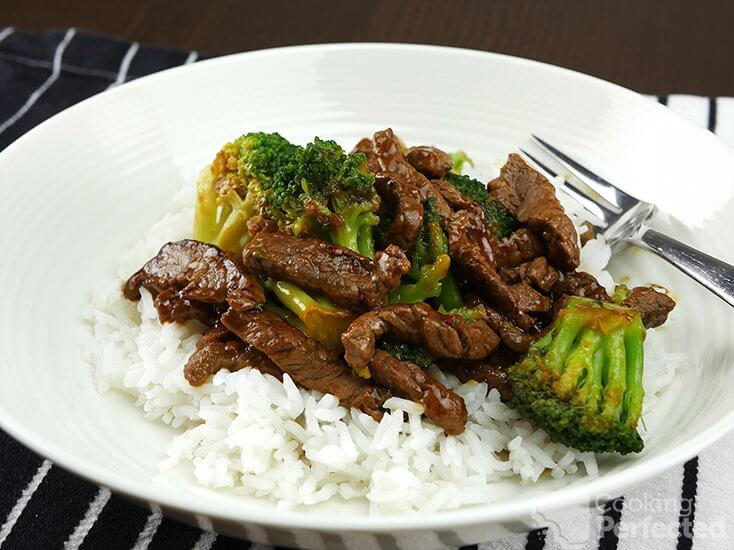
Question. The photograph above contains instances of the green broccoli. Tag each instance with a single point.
(582, 381)
(229, 191)
(408, 352)
(500, 222)
(319, 318)
(323, 189)
(459, 159)
(317, 189)
(430, 263)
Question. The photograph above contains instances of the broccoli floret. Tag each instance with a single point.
(323, 189)
(229, 191)
(500, 222)
(430, 263)
(582, 381)
(408, 352)
(319, 318)
(317, 189)
(459, 159)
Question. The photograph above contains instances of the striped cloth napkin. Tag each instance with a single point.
(43, 73)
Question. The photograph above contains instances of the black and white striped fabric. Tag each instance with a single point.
(42, 74)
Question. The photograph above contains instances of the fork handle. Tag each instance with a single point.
(712, 273)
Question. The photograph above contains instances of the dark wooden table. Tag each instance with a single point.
(676, 46)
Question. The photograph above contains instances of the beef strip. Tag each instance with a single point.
(532, 199)
(350, 280)
(579, 283)
(429, 161)
(484, 371)
(406, 379)
(513, 337)
(469, 246)
(398, 183)
(365, 146)
(539, 274)
(402, 202)
(232, 355)
(431, 191)
(172, 308)
(454, 198)
(218, 333)
(305, 360)
(653, 306)
(518, 247)
(441, 335)
(201, 273)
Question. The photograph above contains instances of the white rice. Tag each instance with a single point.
(255, 435)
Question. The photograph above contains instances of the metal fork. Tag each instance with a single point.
(621, 219)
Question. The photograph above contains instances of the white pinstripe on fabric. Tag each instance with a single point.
(148, 532)
(55, 72)
(95, 508)
(193, 56)
(206, 541)
(7, 31)
(23, 500)
(125, 64)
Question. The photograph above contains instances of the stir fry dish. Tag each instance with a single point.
(353, 273)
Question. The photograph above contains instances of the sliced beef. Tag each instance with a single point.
(401, 205)
(406, 379)
(218, 333)
(201, 273)
(232, 355)
(350, 280)
(431, 191)
(398, 183)
(580, 283)
(454, 198)
(514, 338)
(539, 274)
(365, 146)
(519, 247)
(429, 161)
(469, 246)
(172, 308)
(532, 199)
(484, 371)
(441, 335)
(305, 360)
(653, 306)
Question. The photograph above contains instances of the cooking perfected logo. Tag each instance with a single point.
(630, 518)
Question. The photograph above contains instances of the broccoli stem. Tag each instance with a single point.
(321, 319)
(206, 224)
(615, 375)
(285, 314)
(428, 285)
(579, 367)
(450, 297)
(356, 231)
(563, 340)
(634, 337)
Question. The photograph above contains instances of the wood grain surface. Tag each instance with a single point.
(672, 46)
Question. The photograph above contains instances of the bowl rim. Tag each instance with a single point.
(587, 493)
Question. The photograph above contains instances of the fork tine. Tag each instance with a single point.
(596, 209)
(606, 189)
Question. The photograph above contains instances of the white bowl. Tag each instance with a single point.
(78, 190)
